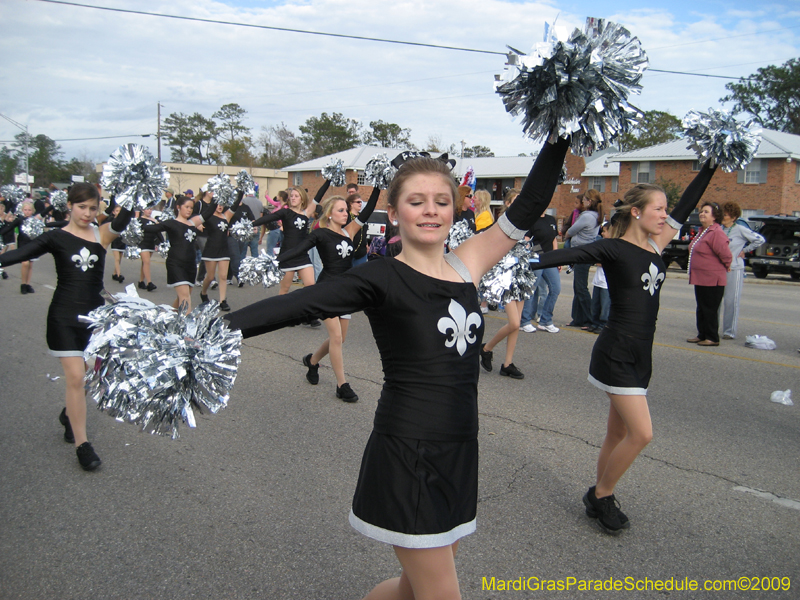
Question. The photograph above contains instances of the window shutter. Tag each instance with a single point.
(740, 176)
(634, 172)
(762, 177)
(652, 169)
(602, 184)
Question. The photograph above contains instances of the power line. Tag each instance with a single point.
(105, 137)
(254, 26)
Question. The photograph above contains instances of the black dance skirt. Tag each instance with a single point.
(416, 493)
(181, 272)
(621, 364)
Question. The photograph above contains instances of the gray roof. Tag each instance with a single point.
(774, 144)
(601, 165)
(484, 166)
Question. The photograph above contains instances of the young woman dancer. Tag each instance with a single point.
(334, 241)
(417, 488)
(147, 247)
(295, 219)
(79, 250)
(510, 330)
(216, 253)
(22, 240)
(181, 232)
(621, 362)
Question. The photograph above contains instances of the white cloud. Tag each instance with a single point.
(70, 72)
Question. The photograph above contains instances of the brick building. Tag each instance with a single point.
(770, 184)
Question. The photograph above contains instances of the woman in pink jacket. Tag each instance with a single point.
(709, 262)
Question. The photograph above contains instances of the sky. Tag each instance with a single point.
(71, 72)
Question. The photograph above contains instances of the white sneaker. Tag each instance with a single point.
(528, 328)
(549, 328)
(484, 310)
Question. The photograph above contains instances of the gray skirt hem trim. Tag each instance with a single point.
(63, 353)
(612, 389)
(288, 269)
(181, 283)
(407, 540)
(228, 258)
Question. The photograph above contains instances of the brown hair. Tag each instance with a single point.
(716, 211)
(595, 203)
(732, 209)
(81, 192)
(180, 200)
(638, 197)
(419, 166)
(350, 199)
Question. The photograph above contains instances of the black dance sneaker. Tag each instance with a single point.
(486, 358)
(511, 371)
(313, 370)
(120, 278)
(606, 510)
(23, 289)
(29, 288)
(203, 298)
(4, 274)
(223, 306)
(142, 285)
(87, 457)
(151, 286)
(346, 393)
(64, 420)
(314, 323)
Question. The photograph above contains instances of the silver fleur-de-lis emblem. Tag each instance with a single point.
(190, 235)
(84, 260)
(223, 225)
(299, 223)
(344, 249)
(461, 323)
(652, 279)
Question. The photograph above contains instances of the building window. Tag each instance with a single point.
(695, 165)
(362, 178)
(752, 171)
(641, 172)
(598, 183)
(615, 184)
(297, 178)
(797, 174)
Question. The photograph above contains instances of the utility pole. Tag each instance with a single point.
(158, 134)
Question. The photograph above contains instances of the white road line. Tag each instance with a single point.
(786, 502)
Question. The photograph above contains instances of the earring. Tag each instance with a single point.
(394, 222)
(638, 217)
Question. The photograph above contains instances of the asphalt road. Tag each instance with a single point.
(253, 503)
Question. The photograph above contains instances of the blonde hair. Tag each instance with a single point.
(303, 196)
(638, 196)
(327, 210)
(484, 200)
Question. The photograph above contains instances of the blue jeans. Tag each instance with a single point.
(601, 303)
(274, 237)
(551, 279)
(243, 246)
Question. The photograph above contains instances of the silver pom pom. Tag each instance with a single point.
(133, 252)
(224, 192)
(163, 249)
(153, 366)
(261, 269)
(717, 135)
(162, 216)
(510, 279)
(578, 87)
(32, 227)
(379, 171)
(459, 233)
(132, 235)
(59, 200)
(242, 230)
(12, 193)
(135, 177)
(334, 172)
(245, 183)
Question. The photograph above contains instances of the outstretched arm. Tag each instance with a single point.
(366, 212)
(688, 202)
(109, 231)
(481, 252)
(321, 191)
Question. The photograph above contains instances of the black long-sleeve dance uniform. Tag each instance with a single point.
(417, 487)
(621, 360)
(181, 266)
(216, 248)
(79, 271)
(149, 239)
(295, 230)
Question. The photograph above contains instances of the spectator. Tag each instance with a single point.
(584, 231)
